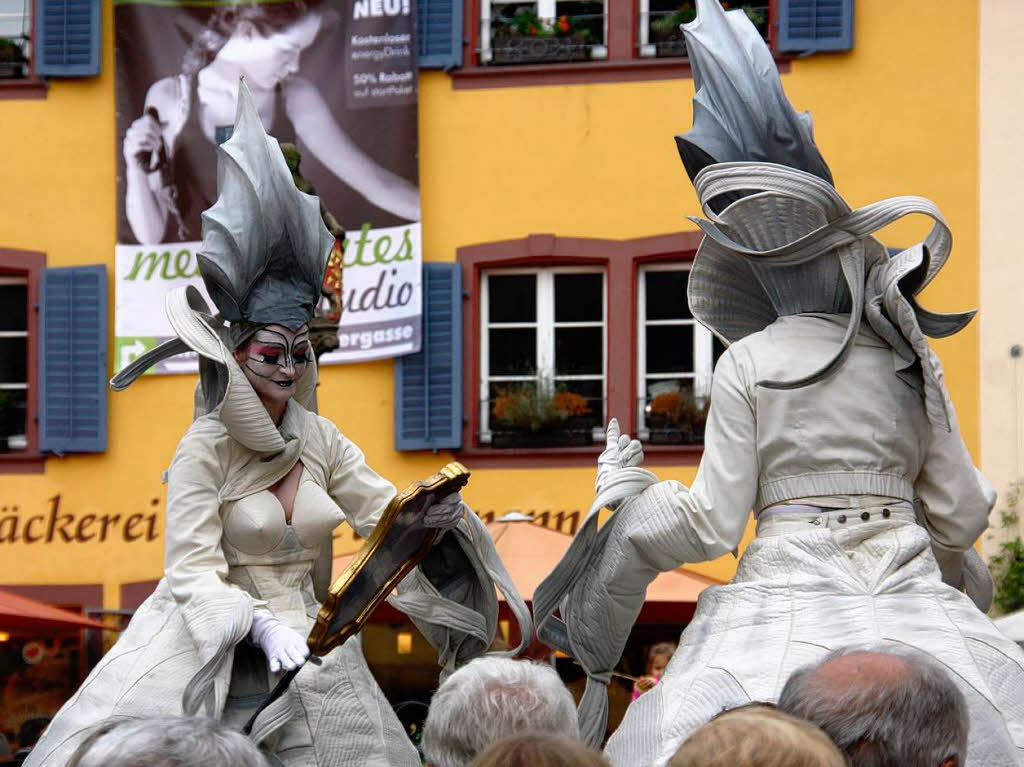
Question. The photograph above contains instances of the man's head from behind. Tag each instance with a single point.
(166, 741)
(492, 698)
(883, 708)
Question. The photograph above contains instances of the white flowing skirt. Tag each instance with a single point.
(341, 718)
(803, 590)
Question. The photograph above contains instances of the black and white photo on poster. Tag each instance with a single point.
(178, 66)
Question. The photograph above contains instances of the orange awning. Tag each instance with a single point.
(18, 613)
(531, 551)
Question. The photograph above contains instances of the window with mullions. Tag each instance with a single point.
(658, 23)
(13, 362)
(15, 18)
(542, 356)
(524, 32)
(675, 359)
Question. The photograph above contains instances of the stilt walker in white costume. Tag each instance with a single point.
(255, 489)
(829, 418)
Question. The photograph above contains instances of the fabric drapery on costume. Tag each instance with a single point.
(829, 397)
(229, 549)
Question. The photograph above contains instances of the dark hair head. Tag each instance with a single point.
(882, 708)
(30, 730)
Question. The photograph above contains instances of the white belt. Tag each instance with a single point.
(792, 516)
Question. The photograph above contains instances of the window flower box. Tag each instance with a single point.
(570, 435)
(676, 418)
(526, 38)
(530, 49)
(524, 417)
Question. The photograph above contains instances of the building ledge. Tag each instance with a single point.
(556, 457)
(574, 73)
(28, 88)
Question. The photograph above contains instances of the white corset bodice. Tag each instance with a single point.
(271, 559)
(255, 530)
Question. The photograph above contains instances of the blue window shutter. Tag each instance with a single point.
(73, 360)
(815, 25)
(67, 39)
(439, 24)
(428, 384)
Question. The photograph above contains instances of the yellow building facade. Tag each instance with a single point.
(503, 162)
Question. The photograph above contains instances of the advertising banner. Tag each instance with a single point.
(336, 78)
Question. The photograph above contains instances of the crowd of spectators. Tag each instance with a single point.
(854, 708)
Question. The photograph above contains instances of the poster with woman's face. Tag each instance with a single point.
(333, 80)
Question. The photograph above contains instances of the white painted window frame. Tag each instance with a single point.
(644, 46)
(546, 9)
(703, 346)
(545, 325)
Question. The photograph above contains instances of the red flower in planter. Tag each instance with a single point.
(563, 23)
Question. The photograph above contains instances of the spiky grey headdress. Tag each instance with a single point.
(265, 246)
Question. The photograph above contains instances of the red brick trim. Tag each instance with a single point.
(29, 88)
(134, 594)
(621, 259)
(575, 73)
(30, 264)
(60, 594)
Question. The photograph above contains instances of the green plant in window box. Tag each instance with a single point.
(527, 38)
(676, 418)
(13, 63)
(523, 417)
(1007, 565)
(668, 39)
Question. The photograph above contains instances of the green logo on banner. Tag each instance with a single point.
(127, 349)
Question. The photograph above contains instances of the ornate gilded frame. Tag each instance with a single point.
(414, 500)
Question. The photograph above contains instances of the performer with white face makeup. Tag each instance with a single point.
(273, 360)
(255, 489)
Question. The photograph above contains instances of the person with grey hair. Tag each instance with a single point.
(166, 741)
(492, 698)
(883, 708)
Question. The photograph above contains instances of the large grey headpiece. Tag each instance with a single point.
(265, 246)
(740, 112)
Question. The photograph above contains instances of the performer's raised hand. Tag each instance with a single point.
(620, 452)
(284, 647)
(446, 513)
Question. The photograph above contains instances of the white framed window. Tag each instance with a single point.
(15, 28)
(543, 341)
(13, 362)
(658, 24)
(675, 358)
(537, 31)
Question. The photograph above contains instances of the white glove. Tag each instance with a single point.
(621, 452)
(284, 647)
(445, 513)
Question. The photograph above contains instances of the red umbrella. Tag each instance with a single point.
(18, 613)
